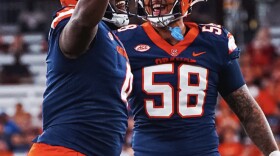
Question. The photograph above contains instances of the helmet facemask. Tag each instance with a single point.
(117, 14)
(153, 11)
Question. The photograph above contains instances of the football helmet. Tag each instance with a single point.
(68, 2)
(114, 15)
(117, 15)
(180, 9)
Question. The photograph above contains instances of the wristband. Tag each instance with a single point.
(275, 153)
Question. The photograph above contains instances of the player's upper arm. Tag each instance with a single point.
(82, 27)
(230, 76)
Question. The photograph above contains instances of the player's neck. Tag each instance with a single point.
(165, 33)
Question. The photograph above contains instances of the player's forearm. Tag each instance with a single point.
(88, 13)
(252, 119)
(82, 27)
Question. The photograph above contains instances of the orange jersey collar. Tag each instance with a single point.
(173, 50)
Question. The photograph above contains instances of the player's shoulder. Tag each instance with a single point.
(127, 32)
(221, 36)
(214, 31)
(62, 14)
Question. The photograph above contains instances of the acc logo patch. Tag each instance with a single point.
(142, 48)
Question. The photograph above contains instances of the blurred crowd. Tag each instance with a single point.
(18, 131)
(259, 62)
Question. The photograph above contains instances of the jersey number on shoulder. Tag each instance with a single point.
(213, 28)
(128, 27)
(186, 91)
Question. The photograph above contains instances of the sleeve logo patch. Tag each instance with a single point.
(231, 43)
(142, 48)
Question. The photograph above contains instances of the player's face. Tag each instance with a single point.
(119, 5)
(158, 7)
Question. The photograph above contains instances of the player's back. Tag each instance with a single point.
(84, 102)
(175, 89)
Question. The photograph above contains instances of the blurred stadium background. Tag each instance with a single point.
(24, 28)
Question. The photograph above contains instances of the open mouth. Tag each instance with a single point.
(158, 9)
(121, 6)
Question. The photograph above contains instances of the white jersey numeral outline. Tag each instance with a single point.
(128, 27)
(166, 91)
(213, 28)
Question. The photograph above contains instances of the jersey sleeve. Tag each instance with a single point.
(55, 32)
(60, 20)
(55, 59)
(230, 76)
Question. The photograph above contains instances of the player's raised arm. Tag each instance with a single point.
(252, 119)
(82, 27)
